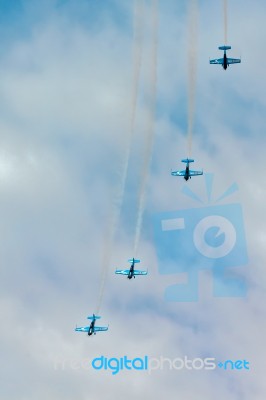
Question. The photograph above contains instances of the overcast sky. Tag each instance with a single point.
(66, 76)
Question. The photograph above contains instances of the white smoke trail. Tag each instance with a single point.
(119, 195)
(225, 22)
(111, 227)
(137, 57)
(152, 83)
(192, 66)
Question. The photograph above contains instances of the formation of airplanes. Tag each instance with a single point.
(225, 62)
(186, 174)
(131, 272)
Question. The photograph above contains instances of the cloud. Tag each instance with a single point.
(65, 79)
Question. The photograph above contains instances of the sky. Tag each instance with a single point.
(66, 84)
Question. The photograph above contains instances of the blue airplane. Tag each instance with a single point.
(187, 173)
(92, 328)
(225, 61)
(131, 272)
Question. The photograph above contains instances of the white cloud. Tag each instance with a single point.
(64, 96)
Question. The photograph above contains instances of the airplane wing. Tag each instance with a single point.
(122, 271)
(83, 329)
(195, 173)
(138, 272)
(217, 61)
(100, 328)
(178, 173)
(233, 60)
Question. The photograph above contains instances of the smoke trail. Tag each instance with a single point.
(192, 65)
(119, 195)
(150, 126)
(108, 243)
(225, 22)
(137, 57)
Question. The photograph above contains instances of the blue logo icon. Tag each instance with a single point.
(210, 237)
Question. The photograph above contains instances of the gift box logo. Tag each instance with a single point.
(208, 237)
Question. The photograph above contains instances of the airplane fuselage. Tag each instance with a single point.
(91, 329)
(225, 65)
(131, 272)
(187, 176)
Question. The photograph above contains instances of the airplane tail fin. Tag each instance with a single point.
(93, 317)
(188, 160)
(224, 48)
(131, 260)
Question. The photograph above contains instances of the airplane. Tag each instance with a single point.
(92, 328)
(132, 271)
(187, 173)
(225, 61)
